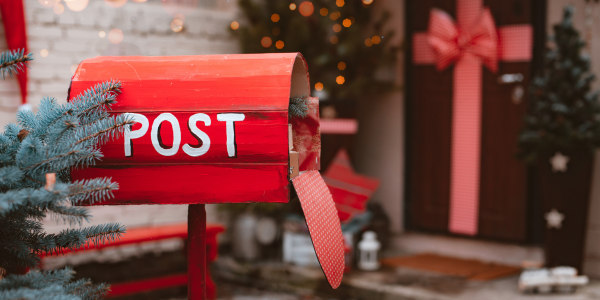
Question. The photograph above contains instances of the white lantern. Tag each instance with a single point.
(368, 248)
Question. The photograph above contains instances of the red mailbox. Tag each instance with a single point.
(212, 129)
(215, 129)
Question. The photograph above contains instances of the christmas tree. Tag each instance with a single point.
(563, 112)
(347, 50)
(36, 156)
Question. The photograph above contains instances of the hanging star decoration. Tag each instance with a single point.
(554, 219)
(559, 162)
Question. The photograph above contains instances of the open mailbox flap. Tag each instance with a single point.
(214, 129)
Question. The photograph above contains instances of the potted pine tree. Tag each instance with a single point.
(561, 132)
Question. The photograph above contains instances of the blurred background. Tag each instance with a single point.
(386, 122)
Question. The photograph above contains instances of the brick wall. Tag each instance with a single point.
(74, 36)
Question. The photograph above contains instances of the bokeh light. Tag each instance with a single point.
(376, 39)
(266, 42)
(367, 2)
(73, 69)
(139, 1)
(102, 34)
(276, 31)
(115, 3)
(342, 65)
(44, 53)
(59, 9)
(340, 79)
(368, 42)
(347, 22)
(324, 11)
(318, 86)
(77, 5)
(279, 44)
(275, 17)
(306, 8)
(177, 25)
(235, 25)
(293, 6)
(334, 15)
(337, 27)
(334, 39)
(339, 3)
(115, 36)
(48, 3)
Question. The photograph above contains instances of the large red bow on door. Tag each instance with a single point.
(449, 41)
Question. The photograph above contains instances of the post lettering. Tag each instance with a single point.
(198, 134)
(129, 134)
(155, 134)
(230, 120)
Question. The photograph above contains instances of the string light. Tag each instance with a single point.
(101, 34)
(48, 3)
(44, 53)
(77, 5)
(334, 15)
(293, 6)
(59, 9)
(340, 79)
(279, 44)
(347, 22)
(235, 25)
(324, 11)
(342, 65)
(276, 31)
(367, 2)
(337, 28)
(339, 3)
(376, 39)
(266, 42)
(115, 36)
(368, 42)
(334, 39)
(275, 17)
(306, 8)
(177, 25)
(318, 86)
(139, 1)
(179, 17)
(115, 3)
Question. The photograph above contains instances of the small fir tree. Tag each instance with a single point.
(563, 112)
(47, 145)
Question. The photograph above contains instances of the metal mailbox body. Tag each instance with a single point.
(187, 154)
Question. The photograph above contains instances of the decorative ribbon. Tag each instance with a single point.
(13, 18)
(470, 42)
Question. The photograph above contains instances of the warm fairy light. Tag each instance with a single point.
(77, 5)
(179, 17)
(334, 15)
(235, 25)
(318, 86)
(115, 3)
(102, 34)
(177, 25)
(266, 42)
(293, 6)
(44, 53)
(347, 22)
(339, 3)
(276, 31)
(376, 39)
(334, 39)
(48, 3)
(279, 44)
(337, 28)
(342, 65)
(323, 11)
(139, 1)
(340, 79)
(368, 42)
(73, 69)
(59, 9)
(275, 17)
(306, 8)
(367, 2)
(115, 36)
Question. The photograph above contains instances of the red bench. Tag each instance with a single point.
(141, 235)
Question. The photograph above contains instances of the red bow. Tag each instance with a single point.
(450, 41)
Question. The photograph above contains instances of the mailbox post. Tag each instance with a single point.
(213, 129)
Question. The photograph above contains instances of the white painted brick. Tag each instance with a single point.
(69, 46)
(39, 31)
(67, 19)
(75, 33)
(54, 87)
(44, 18)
